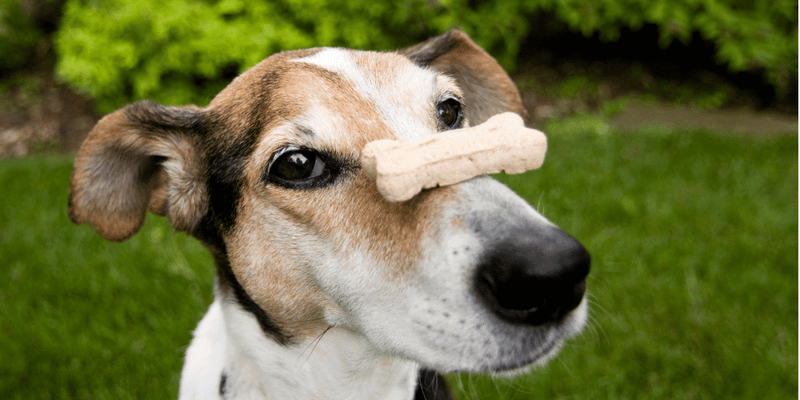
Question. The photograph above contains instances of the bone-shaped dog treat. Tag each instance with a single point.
(404, 167)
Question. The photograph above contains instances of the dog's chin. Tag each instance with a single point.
(520, 366)
(527, 364)
(546, 352)
(524, 361)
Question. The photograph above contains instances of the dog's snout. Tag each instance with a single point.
(533, 277)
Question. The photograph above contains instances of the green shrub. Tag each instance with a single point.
(182, 51)
(753, 36)
(18, 35)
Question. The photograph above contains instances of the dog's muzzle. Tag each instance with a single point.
(533, 276)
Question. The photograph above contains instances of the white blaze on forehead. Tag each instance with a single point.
(403, 94)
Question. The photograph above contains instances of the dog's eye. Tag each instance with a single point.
(449, 112)
(297, 165)
(298, 168)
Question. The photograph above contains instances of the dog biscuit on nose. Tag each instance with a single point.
(402, 168)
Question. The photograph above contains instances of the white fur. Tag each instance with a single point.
(400, 102)
(338, 365)
(202, 366)
(436, 318)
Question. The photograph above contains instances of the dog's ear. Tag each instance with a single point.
(488, 89)
(143, 154)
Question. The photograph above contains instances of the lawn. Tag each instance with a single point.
(693, 286)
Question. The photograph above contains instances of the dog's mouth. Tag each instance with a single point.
(521, 364)
(516, 367)
(495, 346)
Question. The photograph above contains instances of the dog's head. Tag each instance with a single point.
(464, 277)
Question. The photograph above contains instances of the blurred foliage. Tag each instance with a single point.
(181, 51)
(18, 35)
(751, 36)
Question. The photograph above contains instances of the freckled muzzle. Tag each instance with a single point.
(402, 168)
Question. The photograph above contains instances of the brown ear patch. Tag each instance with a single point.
(488, 90)
(137, 156)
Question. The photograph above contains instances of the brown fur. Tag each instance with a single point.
(117, 175)
(390, 232)
(489, 90)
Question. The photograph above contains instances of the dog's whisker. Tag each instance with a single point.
(312, 346)
(595, 326)
(566, 367)
(464, 386)
(473, 392)
(597, 305)
(592, 320)
(499, 389)
(459, 386)
(539, 205)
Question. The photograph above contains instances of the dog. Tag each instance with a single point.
(324, 289)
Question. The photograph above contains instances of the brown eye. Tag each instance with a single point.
(449, 112)
(302, 168)
(297, 165)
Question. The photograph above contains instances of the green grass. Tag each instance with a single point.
(693, 286)
(83, 318)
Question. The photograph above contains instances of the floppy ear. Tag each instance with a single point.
(142, 154)
(488, 89)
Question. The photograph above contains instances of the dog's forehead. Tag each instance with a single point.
(339, 99)
(401, 93)
(374, 72)
(332, 100)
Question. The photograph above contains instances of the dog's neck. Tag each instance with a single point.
(231, 358)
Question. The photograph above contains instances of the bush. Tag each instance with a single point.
(181, 51)
(18, 35)
(752, 36)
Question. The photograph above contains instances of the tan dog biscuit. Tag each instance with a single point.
(404, 167)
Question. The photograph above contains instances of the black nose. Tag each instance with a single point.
(533, 276)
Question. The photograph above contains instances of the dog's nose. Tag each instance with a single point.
(533, 277)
